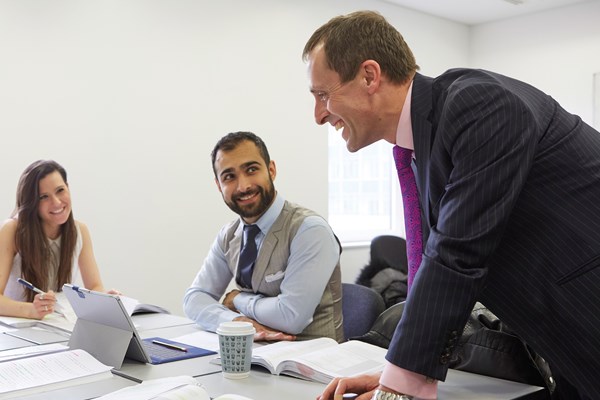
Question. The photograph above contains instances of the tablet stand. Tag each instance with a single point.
(106, 343)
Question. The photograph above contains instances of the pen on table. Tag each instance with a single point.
(29, 285)
(169, 345)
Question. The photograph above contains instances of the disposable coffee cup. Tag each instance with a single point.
(235, 347)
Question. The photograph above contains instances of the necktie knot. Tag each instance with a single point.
(402, 156)
(250, 232)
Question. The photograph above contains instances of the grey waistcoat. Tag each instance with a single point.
(272, 258)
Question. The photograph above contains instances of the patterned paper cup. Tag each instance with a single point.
(235, 346)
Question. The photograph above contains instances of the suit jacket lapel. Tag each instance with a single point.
(422, 136)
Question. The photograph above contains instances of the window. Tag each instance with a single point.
(363, 191)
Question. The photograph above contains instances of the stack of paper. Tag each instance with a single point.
(48, 372)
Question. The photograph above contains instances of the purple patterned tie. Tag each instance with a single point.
(412, 210)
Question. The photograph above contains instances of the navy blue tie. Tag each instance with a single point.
(248, 255)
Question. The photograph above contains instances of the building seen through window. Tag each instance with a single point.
(363, 191)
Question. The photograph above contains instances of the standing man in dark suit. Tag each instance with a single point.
(508, 185)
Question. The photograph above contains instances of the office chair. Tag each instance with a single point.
(360, 308)
(387, 271)
(389, 250)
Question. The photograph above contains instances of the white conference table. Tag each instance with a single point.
(148, 325)
(261, 385)
(459, 385)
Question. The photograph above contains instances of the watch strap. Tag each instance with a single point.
(383, 395)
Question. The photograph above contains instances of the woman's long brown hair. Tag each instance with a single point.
(30, 241)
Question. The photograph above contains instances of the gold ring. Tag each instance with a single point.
(46, 308)
(42, 296)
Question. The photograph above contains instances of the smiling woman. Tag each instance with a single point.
(54, 207)
(43, 244)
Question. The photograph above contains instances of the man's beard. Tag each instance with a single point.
(254, 210)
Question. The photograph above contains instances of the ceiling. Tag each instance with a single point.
(473, 12)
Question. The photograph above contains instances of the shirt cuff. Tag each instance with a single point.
(408, 382)
(244, 303)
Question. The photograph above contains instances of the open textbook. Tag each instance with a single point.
(133, 306)
(30, 375)
(320, 359)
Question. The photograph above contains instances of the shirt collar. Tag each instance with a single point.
(404, 132)
(268, 218)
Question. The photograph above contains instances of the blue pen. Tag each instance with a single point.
(30, 286)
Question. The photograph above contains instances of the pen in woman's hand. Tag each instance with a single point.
(30, 286)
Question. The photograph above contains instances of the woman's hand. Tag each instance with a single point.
(43, 304)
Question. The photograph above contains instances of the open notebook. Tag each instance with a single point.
(104, 329)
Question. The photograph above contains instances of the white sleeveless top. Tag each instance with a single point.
(16, 291)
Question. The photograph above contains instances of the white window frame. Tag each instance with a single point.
(356, 228)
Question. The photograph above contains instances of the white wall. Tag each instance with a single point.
(130, 96)
(558, 51)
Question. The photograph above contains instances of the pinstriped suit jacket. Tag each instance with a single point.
(509, 184)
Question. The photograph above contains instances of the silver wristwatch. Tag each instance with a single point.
(381, 395)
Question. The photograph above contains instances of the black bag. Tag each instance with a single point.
(486, 347)
(387, 270)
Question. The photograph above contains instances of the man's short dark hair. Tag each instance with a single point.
(233, 139)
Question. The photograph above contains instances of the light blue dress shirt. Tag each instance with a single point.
(314, 254)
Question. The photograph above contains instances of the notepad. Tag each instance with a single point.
(161, 354)
(39, 335)
(9, 342)
(17, 322)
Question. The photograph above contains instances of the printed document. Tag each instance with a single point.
(49, 371)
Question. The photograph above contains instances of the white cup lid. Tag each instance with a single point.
(236, 328)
